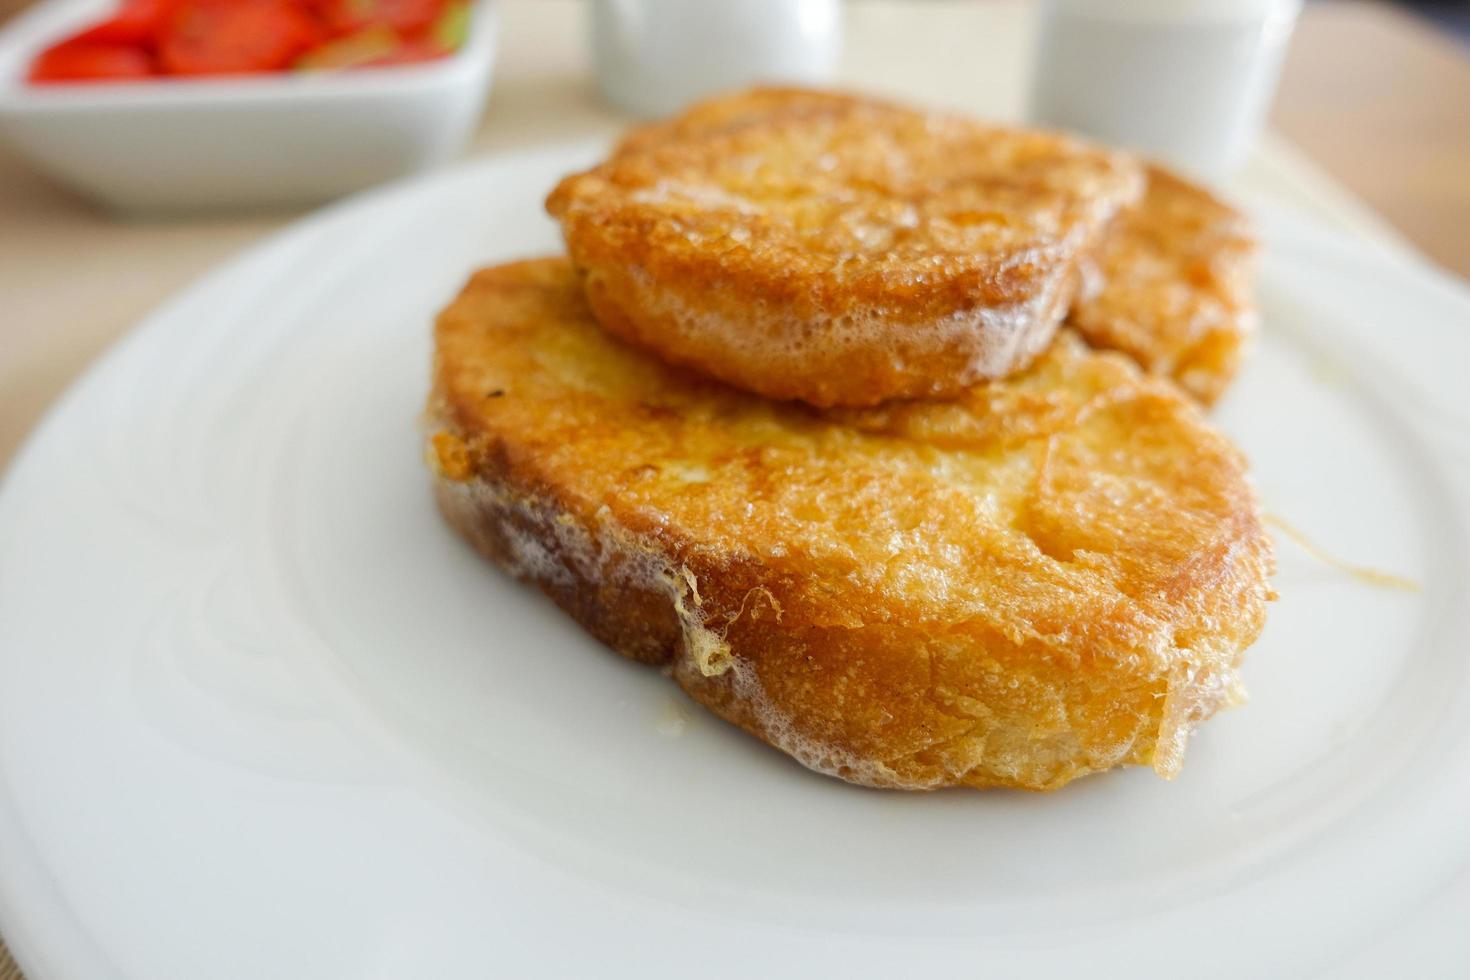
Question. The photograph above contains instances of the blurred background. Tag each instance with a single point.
(101, 194)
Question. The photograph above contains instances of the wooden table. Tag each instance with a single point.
(1379, 100)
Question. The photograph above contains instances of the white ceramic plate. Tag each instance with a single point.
(261, 715)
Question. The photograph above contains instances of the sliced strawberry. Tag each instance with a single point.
(134, 23)
(81, 61)
(215, 37)
(406, 16)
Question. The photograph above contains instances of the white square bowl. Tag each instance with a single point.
(261, 141)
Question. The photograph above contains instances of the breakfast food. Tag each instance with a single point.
(1168, 283)
(144, 39)
(839, 250)
(1046, 576)
(1170, 286)
(983, 553)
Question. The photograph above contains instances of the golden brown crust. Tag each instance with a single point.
(1053, 575)
(1173, 287)
(839, 250)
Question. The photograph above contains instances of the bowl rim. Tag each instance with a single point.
(51, 20)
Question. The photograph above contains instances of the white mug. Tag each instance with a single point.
(655, 56)
(1187, 81)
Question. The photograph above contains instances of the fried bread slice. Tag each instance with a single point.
(1170, 286)
(1169, 283)
(1051, 575)
(839, 250)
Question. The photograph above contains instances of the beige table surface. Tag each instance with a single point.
(72, 279)
(1381, 99)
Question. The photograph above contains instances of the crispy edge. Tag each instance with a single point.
(1202, 358)
(933, 359)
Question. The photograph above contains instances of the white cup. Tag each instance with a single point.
(1187, 81)
(655, 56)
